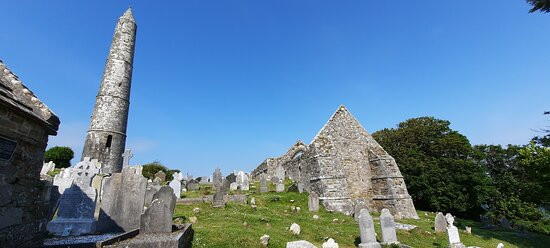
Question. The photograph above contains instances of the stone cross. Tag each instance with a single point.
(313, 202)
(126, 156)
(440, 223)
(217, 178)
(366, 229)
(387, 224)
(452, 232)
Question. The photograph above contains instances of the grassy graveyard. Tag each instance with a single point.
(239, 225)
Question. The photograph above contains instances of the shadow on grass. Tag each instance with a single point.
(510, 236)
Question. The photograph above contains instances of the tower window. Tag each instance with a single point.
(109, 141)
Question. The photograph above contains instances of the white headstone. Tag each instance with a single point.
(452, 231)
(47, 167)
(242, 180)
(387, 223)
(175, 184)
(366, 230)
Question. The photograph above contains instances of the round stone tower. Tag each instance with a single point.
(106, 137)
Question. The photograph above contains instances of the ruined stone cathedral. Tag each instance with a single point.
(343, 165)
(106, 137)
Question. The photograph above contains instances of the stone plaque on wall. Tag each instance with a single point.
(7, 147)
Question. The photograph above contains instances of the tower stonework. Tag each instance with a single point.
(106, 137)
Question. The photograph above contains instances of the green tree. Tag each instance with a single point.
(150, 169)
(437, 166)
(539, 5)
(60, 155)
(545, 139)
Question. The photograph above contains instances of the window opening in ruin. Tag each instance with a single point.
(109, 141)
(298, 154)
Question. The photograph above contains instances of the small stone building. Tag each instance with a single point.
(344, 164)
(25, 123)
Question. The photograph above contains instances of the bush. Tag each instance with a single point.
(150, 169)
(60, 155)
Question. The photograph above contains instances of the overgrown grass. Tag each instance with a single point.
(241, 226)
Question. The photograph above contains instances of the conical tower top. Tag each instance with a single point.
(128, 15)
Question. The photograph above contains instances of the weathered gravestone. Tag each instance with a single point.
(366, 230)
(440, 223)
(280, 173)
(231, 178)
(359, 204)
(176, 186)
(300, 188)
(505, 223)
(166, 194)
(313, 202)
(192, 185)
(452, 232)
(280, 187)
(217, 178)
(47, 167)
(75, 214)
(157, 218)
(387, 224)
(217, 200)
(293, 188)
(149, 193)
(263, 184)
(233, 186)
(225, 186)
(242, 181)
(122, 201)
(161, 176)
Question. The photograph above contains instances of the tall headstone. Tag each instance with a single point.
(387, 224)
(176, 186)
(440, 224)
(280, 172)
(452, 232)
(263, 184)
(157, 218)
(126, 156)
(217, 178)
(242, 181)
(313, 202)
(166, 194)
(161, 176)
(75, 214)
(225, 186)
(367, 232)
(122, 201)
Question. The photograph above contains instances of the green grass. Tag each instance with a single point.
(223, 227)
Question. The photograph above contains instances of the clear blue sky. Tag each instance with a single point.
(229, 83)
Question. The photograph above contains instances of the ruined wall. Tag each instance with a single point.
(344, 163)
(25, 124)
(106, 137)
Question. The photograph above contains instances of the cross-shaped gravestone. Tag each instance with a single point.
(126, 156)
